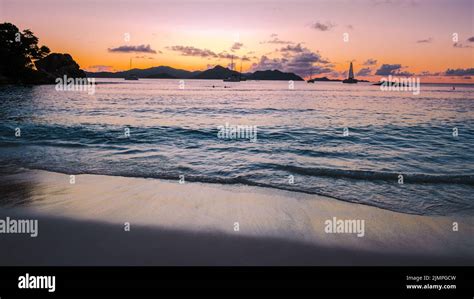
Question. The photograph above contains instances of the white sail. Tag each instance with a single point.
(351, 72)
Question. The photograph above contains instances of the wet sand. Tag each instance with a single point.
(194, 224)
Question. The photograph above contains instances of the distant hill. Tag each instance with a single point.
(153, 72)
(217, 73)
(274, 75)
(324, 79)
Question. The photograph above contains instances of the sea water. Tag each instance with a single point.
(353, 142)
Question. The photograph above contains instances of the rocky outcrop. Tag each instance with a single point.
(57, 65)
(274, 75)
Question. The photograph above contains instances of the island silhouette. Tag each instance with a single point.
(216, 73)
(23, 61)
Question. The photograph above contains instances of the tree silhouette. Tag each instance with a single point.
(18, 51)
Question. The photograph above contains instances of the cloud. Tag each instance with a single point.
(461, 45)
(205, 53)
(370, 61)
(460, 72)
(307, 57)
(193, 51)
(430, 74)
(471, 39)
(350, 27)
(323, 26)
(303, 62)
(267, 63)
(425, 41)
(392, 69)
(236, 46)
(317, 69)
(225, 55)
(364, 72)
(289, 48)
(100, 68)
(277, 41)
(395, 2)
(143, 57)
(135, 49)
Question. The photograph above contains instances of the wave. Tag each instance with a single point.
(174, 176)
(236, 180)
(376, 175)
(98, 135)
(69, 136)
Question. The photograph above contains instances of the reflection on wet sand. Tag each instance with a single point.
(194, 224)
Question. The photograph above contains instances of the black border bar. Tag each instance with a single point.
(243, 282)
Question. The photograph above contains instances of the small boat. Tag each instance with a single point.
(232, 79)
(235, 77)
(350, 79)
(390, 83)
(131, 76)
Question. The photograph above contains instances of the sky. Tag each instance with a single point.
(432, 39)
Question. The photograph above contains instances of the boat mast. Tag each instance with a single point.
(240, 68)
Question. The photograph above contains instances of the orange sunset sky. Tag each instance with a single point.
(431, 39)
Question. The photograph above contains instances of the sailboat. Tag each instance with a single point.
(233, 77)
(351, 79)
(131, 76)
(311, 77)
(241, 78)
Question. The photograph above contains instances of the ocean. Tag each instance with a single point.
(352, 142)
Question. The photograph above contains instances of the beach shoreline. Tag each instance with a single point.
(84, 224)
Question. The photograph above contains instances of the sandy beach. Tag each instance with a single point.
(195, 224)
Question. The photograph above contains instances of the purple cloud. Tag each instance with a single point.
(392, 69)
(425, 41)
(236, 46)
(370, 61)
(323, 26)
(460, 72)
(364, 72)
(193, 51)
(302, 62)
(134, 49)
